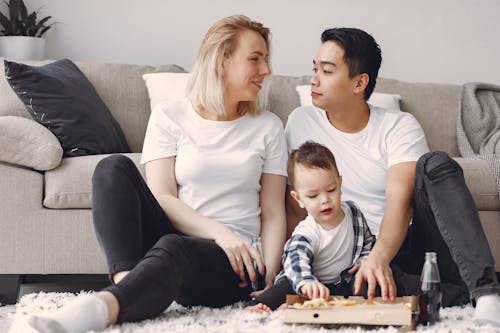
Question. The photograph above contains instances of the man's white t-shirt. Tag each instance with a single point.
(332, 248)
(363, 158)
(218, 164)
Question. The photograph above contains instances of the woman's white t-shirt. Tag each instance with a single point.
(363, 158)
(218, 164)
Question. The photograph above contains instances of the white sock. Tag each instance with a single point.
(84, 313)
(487, 310)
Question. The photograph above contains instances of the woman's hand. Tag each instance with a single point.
(315, 289)
(241, 256)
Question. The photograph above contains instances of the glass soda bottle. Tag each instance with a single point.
(429, 291)
(259, 283)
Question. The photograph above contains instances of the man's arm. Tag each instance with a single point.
(394, 226)
(294, 214)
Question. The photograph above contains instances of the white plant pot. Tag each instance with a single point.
(22, 47)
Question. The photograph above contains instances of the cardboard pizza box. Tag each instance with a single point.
(402, 312)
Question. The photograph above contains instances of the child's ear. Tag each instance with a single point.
(296, 196)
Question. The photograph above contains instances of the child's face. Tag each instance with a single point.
(318, 191)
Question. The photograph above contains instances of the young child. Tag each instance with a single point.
(323, 253)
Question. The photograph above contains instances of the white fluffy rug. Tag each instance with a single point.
(231, 320)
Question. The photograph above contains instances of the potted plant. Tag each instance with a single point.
(21, 33)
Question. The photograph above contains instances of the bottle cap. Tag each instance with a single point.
(430, 255)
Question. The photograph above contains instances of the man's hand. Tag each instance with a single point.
(315, 290)
(375, 270)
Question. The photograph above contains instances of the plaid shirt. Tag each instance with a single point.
(298, 252)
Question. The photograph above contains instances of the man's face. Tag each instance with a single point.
(331, 86)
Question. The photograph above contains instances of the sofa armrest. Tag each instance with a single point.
(27, 143)
(481, 183)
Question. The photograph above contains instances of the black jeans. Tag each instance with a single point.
(275, 295)
(445, 221)
(137, 236)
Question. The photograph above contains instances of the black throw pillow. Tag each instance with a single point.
(60, 97)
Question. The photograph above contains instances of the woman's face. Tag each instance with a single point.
(247, 67)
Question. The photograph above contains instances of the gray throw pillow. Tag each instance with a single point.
(27, 143)
(60, 97)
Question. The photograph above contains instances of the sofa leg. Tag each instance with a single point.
(9, 288)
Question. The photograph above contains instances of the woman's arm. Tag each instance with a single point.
(273, 222)
(160, 177)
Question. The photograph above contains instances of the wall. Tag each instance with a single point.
(447, 41)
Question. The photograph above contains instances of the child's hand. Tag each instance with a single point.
(315, 290)
(259, 308)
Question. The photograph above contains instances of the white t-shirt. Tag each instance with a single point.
(363, 158)
(332, 248)
(218, 164)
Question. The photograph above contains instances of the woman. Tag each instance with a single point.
(215, 169)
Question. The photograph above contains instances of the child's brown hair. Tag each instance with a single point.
(311, 155)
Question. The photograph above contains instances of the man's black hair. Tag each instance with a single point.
(362, 54)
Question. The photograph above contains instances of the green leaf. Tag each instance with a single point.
(4, 21)
(44, 30)
(13, 12)
(20, 23)
(45, 19)
(31, 20)
(13, 9)
(17, 27)
(22, 10)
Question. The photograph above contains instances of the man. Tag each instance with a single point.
(377, 151)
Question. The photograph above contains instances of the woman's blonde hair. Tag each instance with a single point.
(205, 88)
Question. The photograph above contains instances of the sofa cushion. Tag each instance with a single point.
(60, 97)
(282, 97)
(434, 105)
(70, 185)
(127, 98)
(385, 101)
(480, 182)
(27, 143)
(164, 87)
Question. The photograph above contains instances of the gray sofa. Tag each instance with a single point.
(45, 214)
